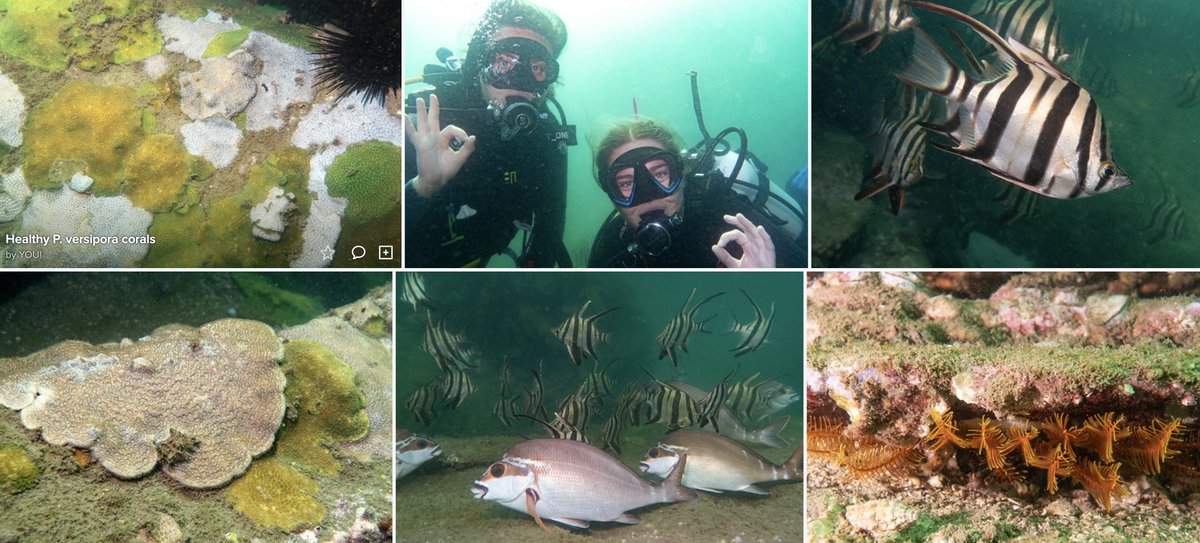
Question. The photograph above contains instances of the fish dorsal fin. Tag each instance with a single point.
(1007, 56)
(1036, 58)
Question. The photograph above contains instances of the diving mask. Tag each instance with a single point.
(519, 64)
(642, 175)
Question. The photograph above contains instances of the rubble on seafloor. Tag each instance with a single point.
(189, 434)
(1042, 405)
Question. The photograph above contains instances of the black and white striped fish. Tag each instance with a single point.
(672, 406)
(423, 402)
(507, 410)
(899, 148)
(1031, 22)
(676, 334)
(1168, 219)
(561, 429)
(456, 386)
(610, 438)
(578, 408)
(533, 397)
(580, 335)
(746, 395)
(874, 19)
(711, 405)
(413, 291)
(755, 332)
(598, 383)
(445, 347)
(1025, 121)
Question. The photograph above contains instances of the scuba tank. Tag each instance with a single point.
(744, 173)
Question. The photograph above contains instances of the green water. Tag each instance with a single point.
(1152, 139)
(500, 314)
(751, 57)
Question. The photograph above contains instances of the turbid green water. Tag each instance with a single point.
(501, 314)
(750, 57)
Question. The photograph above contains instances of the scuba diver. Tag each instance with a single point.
(701, 209)
(501, 168)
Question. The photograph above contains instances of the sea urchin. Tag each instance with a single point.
(360, 52)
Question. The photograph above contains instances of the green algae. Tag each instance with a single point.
(369, 176)
(137, 42)
(97, 125)
(156, 172)
(18, 473)
(175, 240)
(30, 32)
(274, 495)
(227, 42)
(329, 408)
(267, 302)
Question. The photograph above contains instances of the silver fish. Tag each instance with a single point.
(413, 291)
(677, 332)
(755, 332)
(573, 483)
(717, 463)
(1024, 120)
(898, 160)
(732, 427)
(412, 450)
(874, 19)
(580, 335)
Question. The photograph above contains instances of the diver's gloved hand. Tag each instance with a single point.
(758, 251)
(437, 161)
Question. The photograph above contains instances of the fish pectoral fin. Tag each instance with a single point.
(531, 498)
(754, 489)
(574, 523)
(628, 518)
(706, 489)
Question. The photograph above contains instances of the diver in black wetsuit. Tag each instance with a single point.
(667, 218)
(501, 167)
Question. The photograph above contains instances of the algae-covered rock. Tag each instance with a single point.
(30, 29)
(97, 125)
(370, 177)
(18, 473)
(329, 408)
(268, 302)
(275, 495)
(226, 43)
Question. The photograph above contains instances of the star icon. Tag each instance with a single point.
(327, 253)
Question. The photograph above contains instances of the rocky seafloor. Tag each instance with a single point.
(890, 353)
(434, 503)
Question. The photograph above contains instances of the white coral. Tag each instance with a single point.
(12, 112)
(191, 38)
(267, 216)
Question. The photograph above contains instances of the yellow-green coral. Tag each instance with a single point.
(98, 125)
(18, 473)
(226, 43)
(276, 496)
(30, 29)
(369, 176)
(329, 408)
(137, 42)
(156, 172)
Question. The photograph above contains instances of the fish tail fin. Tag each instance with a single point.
(930, 68)
(794, 467)
(672, 486)
(769, 436)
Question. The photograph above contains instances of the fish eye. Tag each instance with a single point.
(653, 453)
(1108, 169)
(421, 443)
(497, 470)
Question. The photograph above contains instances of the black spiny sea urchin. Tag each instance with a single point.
(360, 52)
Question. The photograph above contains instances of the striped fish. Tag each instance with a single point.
(1024, 121)
(580, 335)
(676, 334)
(874, 19)
(711, 405)
(610, 439)
(456, 386)
(1018, 204)
(423, 402)
(1031, 22)
(672, 406)
(745, 395)
(899, 143)
(505, 376)
(507, 410)
(413, 291)
(578, 408)
(533, 397)
(560, 428)
(598, 383)
(754, 333)
(1168, 220)
(445, 347)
